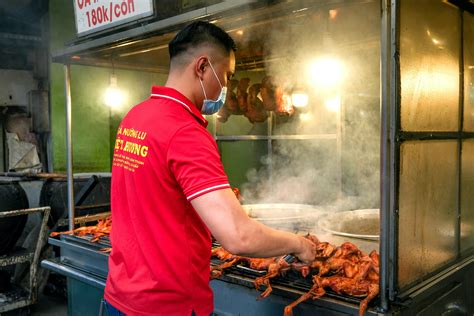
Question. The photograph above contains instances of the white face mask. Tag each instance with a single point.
(213, 106)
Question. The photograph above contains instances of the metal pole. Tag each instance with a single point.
(214, 121)
(70, 179)
(395, 129)
(339, 126)
(270, 147)
(460, 136)
(385, 151)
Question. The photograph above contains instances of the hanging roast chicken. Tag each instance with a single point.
(274, 98)
(242, 94)
(256, 112)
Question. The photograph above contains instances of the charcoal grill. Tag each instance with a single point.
(82, 260)
(291, 281)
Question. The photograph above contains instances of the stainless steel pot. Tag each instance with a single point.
(289, 217)
(363, 224)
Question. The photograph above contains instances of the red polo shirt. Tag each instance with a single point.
(164, 157)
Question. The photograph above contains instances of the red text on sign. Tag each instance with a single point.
(102, 14)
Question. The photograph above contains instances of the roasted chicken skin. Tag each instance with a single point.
(344, 269)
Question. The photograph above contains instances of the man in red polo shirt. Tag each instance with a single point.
(169, 190)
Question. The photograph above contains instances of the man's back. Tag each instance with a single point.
(163, 158)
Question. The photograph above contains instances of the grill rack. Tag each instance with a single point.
(292, 279)
(103, 242)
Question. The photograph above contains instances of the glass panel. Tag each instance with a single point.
(242, 159)
(427, 208)
(211, 123)
(429, 61)
(315, 119)
(467, 196)
(313, 60)
(468, 72)
(240, 125)
(361, 153)
(299, 171)
(330, 77)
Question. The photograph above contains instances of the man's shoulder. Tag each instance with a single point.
(162, 108)
(161, 117)
(151, 106)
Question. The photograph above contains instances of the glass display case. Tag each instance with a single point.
(433, 168)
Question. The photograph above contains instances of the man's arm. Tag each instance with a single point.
(240, 235)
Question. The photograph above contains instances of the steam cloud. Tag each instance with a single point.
(311, 171)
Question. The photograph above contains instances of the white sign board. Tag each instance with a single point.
(96, 15)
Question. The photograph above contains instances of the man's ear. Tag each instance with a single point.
(200, 66)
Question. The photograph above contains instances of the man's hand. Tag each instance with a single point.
(307, 254)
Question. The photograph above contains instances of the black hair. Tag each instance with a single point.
(198, 33)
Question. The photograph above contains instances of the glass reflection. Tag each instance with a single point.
(429, 60)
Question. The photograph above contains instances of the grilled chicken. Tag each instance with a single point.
(231, 104)
(102, 229)
(271, 97)
(242, 94)
(228, 261)
(344, 269)
(340, 285)
(256, 113)
(276, 268)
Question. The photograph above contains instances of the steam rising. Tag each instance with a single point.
(314, 171)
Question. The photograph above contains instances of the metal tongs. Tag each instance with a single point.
(289, 258)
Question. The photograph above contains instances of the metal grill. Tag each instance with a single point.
(291, 280)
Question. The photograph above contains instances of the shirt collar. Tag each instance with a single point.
(175, 95)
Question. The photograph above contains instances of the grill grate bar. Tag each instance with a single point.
(292, 280)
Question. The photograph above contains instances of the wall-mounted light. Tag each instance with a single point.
(333, 14)
(333, 104)
(113, 95)
(326, 72)
(306, 117)
(299, 99)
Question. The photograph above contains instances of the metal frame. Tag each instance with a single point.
(274, 137)
(392, 137)
(460, 135)
(385, 154)
(395, 97)
(23, 256)
(69, 166)
(3, 145)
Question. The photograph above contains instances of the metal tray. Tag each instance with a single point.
(82, 254)
(281, 211)
(289, 217)
(362, 224)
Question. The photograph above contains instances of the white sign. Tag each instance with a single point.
(96, 15)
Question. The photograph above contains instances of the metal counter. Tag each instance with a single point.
(86, 268)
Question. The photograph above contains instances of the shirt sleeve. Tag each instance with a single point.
(193, 158)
